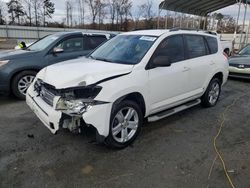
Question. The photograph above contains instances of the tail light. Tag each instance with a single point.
(225, 55)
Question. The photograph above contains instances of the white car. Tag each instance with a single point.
(142, 74)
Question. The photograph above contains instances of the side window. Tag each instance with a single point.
(172, 47)
(195, 46)
(71, 44)
(213, 44)
(94, 41)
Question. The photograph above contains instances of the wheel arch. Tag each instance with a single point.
(219, 75)
(227, 50)
(18, 72)
(136, 97)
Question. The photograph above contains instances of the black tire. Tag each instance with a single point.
(14, 85)
(110, 141)
(205, 99)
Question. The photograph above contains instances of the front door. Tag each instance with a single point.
(69, 48)
(167, 85)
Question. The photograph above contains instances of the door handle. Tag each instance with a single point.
(212, 63)
(186, 69)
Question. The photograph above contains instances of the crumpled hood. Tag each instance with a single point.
(14, 54)
(72, 73)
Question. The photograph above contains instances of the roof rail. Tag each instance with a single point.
(190, 29)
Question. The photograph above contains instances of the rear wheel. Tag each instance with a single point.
(21, 83)
(125, 124)
(212, 94)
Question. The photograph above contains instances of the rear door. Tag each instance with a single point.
(91, 42)
(200, 61)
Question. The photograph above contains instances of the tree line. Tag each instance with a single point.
(27, 12)
(115, 15)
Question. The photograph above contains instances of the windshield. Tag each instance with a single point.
(245, 50)
(43, 43)
(124, 49)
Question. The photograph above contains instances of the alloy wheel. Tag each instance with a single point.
(125, 124)
(214, 93)
(24, 83)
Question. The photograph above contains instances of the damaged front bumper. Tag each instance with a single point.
(49, 117)
(97, 116)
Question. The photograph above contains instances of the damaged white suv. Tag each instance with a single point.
(142, 74)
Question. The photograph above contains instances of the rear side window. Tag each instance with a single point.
(173, 47)
(195, 46)
(212, 44)
(95, 41)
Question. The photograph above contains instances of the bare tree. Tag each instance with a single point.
(37, 6)
(137, 16)
(112, 11)
(81, 9)
(123, 8)
(95, 7)
(101, 11)
(69, 13)
(16, 10)
(2, 13)
(146, 11)
(48, 10)
(28, 7)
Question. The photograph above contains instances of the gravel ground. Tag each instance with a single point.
(171, 153)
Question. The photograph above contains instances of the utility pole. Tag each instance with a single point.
(243, 28)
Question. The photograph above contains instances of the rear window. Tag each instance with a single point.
(195, 46)
(212, 44)
(95, 41)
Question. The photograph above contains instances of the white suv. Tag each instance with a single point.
(142, 74)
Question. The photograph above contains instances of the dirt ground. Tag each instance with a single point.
(175, 152)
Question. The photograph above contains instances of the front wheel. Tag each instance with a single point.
(212, 94)
(21, 83)
(125, 124)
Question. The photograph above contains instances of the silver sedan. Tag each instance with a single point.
(239, 65)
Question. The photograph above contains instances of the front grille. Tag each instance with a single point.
(240, 66)
(47, 96)
(45, 92)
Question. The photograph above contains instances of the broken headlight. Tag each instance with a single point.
(88, 92)
(74, 107)
(77, 101)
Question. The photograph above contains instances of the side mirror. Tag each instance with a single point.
(58, 50)
(161, 61)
